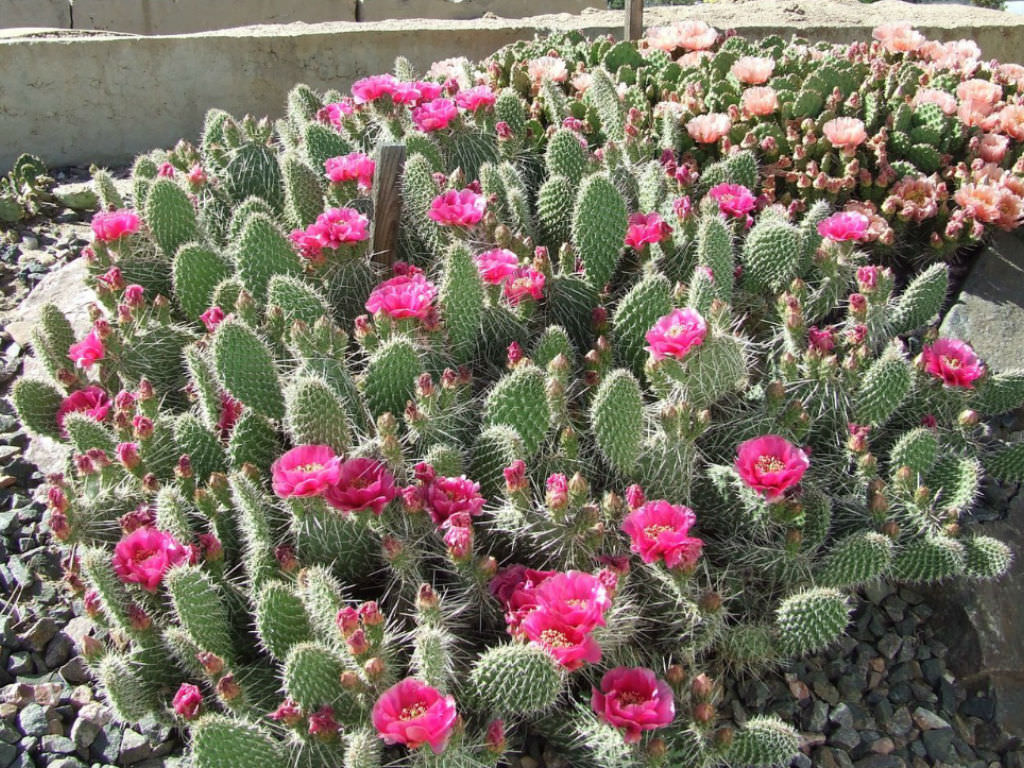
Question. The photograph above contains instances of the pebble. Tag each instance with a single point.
(32, 720)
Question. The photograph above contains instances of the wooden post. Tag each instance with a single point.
(387, 203)
(634, 19)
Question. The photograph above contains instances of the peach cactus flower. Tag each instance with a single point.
(845, 132)
(1011, 121)
(753, 70)
(707, 129)
(760, 101)
(944, 101)
(979, 90)
(898, 37)
(691, 35)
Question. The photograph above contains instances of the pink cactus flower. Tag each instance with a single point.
(820, 340)
(128, 455)
(322, 723)
(760, 101)
(211, 318)
(458, 208)
(708, 129)
(954, 362)
(844, 226)
(372, 88)
(196, 176)
(308, 244)
(112, 279)
(335, 112)
(337, 227)
(362, 484)
(867, 278)
(92, 401)
(230, 413)
(403, 296)
(445, 496)
(733, 199)
(412, 713)
(570, 645)
(646, 228)
(514, 578)
(753, 70)
(188, 701)
(661, 531)
(525, 282)
(633, 698)
(496, 265)
(475, 98)
(109, 226)
(576, 597)
(1011, 121)
(306, 470)
(435, 115)
(676, 334)
(165, 171)
(770, 465)
(846, 133)
(145, 555)
(354, 166)
(86, 352)
(134, 295)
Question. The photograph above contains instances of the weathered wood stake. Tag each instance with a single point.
(387, 203)
(634, 19)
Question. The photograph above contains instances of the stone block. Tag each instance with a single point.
(35, 13)
(989, 314)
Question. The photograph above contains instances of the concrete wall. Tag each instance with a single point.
(382, 10)
(91, 97)
(177, 17)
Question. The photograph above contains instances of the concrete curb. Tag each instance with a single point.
(102, 97)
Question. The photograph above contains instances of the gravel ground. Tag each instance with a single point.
(883, 698)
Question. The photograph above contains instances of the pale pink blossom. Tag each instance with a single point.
(547, 68)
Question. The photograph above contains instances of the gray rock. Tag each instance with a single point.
(880, 761)
(845, 738)
(841, 716)
(20, 664)
(990, 310)
(83, 733)
(67, 762)
(32, 721)
(134, 747)
(939, 744)
(75, 672)
(8, 752)
(58, 745)
(58, 651)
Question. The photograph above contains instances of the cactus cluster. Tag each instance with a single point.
(603, 429)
